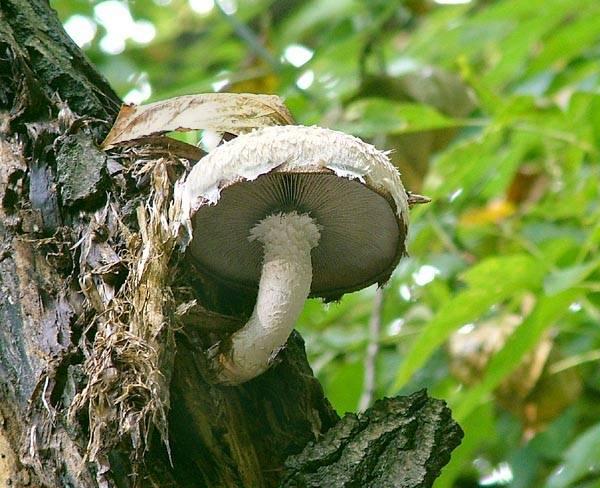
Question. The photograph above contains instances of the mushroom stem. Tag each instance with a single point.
(285, 280)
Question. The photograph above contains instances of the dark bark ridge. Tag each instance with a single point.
(402, 442)
(71, 222)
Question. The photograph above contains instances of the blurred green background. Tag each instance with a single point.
(492, 109)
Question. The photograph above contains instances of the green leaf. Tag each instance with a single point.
(566, 278)
(570, 39)
(460, 167)
(344, 385)
(314, 14)
(546, 312)
(507, 161)
(489, 282)
(517, 270)
(369, 117)
(580, 460)
(478, 427)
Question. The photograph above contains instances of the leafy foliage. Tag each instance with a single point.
(491, 108)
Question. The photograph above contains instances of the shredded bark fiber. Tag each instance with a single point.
(129, 363)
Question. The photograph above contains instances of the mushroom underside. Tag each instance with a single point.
(361, 239)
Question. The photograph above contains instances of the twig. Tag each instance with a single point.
(372, 351)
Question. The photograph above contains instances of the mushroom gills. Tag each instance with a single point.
(360, 238)
(287, 239)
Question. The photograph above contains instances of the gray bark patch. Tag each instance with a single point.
(81, 168)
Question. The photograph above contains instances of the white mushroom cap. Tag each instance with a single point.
(347, 186)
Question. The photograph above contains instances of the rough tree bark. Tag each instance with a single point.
(68, 216)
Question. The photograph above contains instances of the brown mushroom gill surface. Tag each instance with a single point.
(360, 235)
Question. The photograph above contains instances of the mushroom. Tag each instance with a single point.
(298, 211)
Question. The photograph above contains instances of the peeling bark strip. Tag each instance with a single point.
(98, 311)
(220, 112)
(130, 361)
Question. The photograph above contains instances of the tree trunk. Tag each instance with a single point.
(102, 373)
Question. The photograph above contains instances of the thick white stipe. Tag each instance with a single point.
(287, 240)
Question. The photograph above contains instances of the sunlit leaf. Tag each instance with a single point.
(564, 279)
(519, 271)
(314, 14)
(494, 212)
(489, 282)
(372, 116)
(570, 39)
(478, 427)
(580, 460)
(546, 312)
(344, 385)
